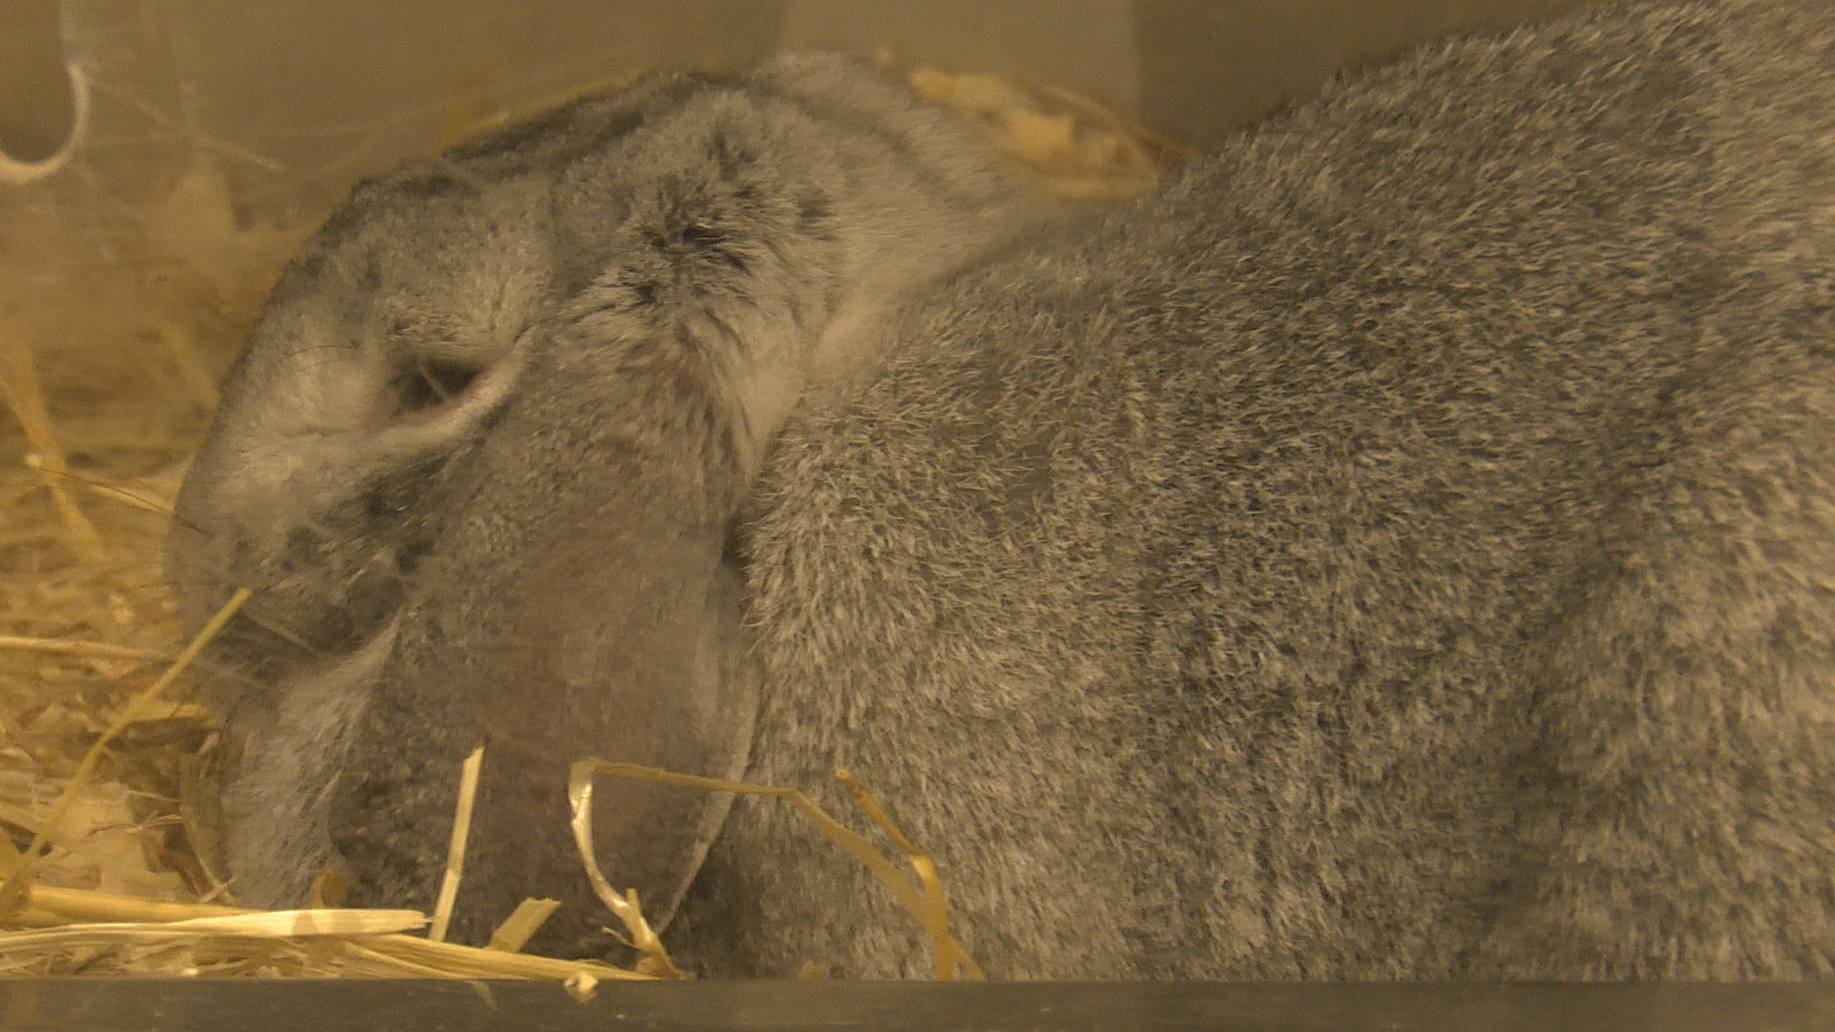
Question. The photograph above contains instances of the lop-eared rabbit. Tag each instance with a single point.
(1402, 546)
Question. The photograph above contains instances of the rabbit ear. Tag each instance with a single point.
(620, 650)
(721, 272)
(633, 662)
(573, 601)
(766, 233)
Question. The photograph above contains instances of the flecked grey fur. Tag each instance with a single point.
(1403, 547)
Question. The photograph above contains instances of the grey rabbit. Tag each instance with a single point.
(1402, 546)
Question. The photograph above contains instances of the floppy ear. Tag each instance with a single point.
(621, 649)
(634, 655)
(573, 602)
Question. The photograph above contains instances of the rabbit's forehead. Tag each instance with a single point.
(455, 222)
(411, 233)
(404, 260)
(713, 144)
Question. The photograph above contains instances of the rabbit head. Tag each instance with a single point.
(480, 457)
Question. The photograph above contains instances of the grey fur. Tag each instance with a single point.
(1404, 547)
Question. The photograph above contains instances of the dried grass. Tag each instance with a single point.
(1072, 147)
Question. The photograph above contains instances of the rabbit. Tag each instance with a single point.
(1401, 546)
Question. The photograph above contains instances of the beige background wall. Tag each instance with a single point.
(34, 103)
(296, 97)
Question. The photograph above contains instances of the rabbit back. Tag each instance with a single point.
(1402, 549)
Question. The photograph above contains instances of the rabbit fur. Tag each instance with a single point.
(1402, 546)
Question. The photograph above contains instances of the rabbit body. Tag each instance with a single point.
(1402, 547)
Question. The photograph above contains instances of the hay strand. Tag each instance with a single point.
(82, 649)
(278, 924)
(25, 396)
(935, 911)
(182, 346)
(127, 716)
(522, 924)
(916, 902)
(455, 850)
(625, 908)
(1072, 147)
(82, 917)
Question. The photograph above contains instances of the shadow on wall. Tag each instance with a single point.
(36, 109)
(1192, 69)
(1207, 68)
(328, 90)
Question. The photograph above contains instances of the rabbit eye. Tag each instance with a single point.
(428, 384)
